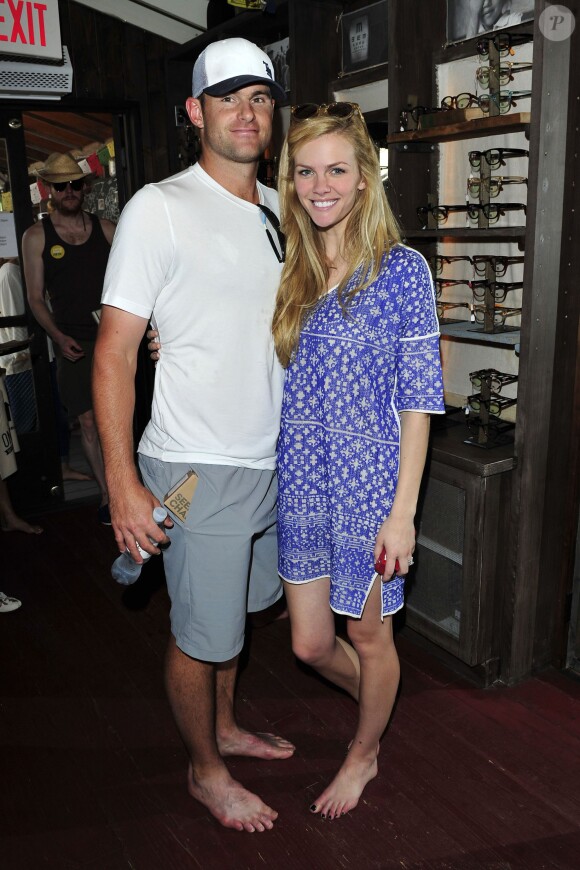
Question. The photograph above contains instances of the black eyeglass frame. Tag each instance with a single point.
(475, 157)
(499, 289)
(503, 43)
(480, 262)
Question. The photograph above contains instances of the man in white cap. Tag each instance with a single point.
(200, 254)
(64, 259)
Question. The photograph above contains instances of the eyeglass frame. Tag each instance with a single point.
(502, 152)
(493, 259)
(448, 306)
(501, 379)
(504, 100)
(445, 210)
(500, 315)
(510, 38)
(448, 260)
(495, 401)
(441, 213)
(499, 289)
(495, 183)
(488, 207)
(506, 72)
(441, 283)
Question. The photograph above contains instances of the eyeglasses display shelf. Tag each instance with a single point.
(497, 124)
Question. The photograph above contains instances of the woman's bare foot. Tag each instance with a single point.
(69, 473)
(258, 745)
(231, 804)
(16, 524)
(343, 793)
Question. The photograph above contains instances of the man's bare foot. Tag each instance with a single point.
(343, 793)
(69, 473)
(231, 804)
(16, 524)
(258, 745)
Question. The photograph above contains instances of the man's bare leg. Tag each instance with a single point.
(233, 740)
(191, 688)
(92, 448)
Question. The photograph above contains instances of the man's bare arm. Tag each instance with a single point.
(114, 367)
(32, 248)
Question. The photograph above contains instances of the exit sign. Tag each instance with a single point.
(30, 28)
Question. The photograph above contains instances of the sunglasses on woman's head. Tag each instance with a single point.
(59, 186)
(305, 111)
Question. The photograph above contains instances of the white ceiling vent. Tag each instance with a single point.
(36, 79)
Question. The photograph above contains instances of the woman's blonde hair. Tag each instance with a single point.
(370, 232)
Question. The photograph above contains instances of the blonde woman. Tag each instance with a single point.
(356, 328)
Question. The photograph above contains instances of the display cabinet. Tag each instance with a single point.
(523, 627)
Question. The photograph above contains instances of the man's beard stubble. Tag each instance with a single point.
(69, 207)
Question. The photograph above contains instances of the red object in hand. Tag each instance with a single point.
(381, 563)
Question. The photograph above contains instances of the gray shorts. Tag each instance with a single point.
(222, 562)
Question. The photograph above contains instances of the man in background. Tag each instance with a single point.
(65, 258)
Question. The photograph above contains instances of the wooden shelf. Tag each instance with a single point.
(465, 330)
(448, 447)
(497, 234)
(496, 125)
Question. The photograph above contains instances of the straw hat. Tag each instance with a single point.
(60, 167)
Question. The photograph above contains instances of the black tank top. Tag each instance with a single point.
(74, 276)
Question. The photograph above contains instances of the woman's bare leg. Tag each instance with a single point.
(379, 681)
(314, 639)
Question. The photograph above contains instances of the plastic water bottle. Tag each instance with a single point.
(124, 569)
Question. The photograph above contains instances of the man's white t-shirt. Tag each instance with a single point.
(196, 260)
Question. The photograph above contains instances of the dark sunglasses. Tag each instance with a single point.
(305, 111)
(59, 186)
(268, 214)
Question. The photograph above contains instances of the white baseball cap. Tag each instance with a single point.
(230, 64)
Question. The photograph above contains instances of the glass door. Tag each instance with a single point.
(33, 474)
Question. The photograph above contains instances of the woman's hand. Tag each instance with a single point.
(397, 536)
(153, 345)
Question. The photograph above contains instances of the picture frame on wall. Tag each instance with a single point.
(364, 38)
(278, 54)
(467, 19)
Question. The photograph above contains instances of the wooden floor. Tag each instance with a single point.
(93, 770)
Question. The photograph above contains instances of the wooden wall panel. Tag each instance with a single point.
(115, 63)
(562, 494)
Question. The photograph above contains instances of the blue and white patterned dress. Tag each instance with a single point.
(338, 452)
